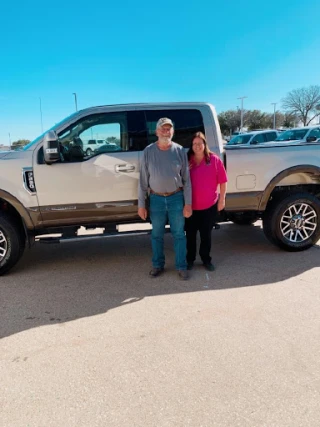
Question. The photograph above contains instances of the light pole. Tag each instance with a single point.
(75, 100)
(241, 120)
(318, 108)
(41, 115)
(9, 141)
(274, 114)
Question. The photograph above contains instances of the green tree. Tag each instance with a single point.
(304, 103)
(282, 120)
(256, 119)
(19, 143)
(290, 120)
(229, 121)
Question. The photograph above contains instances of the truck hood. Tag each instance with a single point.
(4, 154)
(10, 155)
(286, 142)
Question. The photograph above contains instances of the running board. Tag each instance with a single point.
(91, 237)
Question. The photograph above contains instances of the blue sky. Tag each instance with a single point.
(147, 51)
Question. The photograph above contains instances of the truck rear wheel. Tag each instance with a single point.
(293, 223)
(11, 243)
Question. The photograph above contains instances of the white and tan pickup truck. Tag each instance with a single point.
(52, 187)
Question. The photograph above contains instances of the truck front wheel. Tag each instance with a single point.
(11, 243)
(293, 223)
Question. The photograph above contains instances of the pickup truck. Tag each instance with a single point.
(52, 187)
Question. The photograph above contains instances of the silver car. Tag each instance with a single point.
(305, 134)
(253, 138)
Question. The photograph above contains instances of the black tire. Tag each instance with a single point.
(12, 243)
(293, 223)
(243, 218)
(89, 152)
(267, 225)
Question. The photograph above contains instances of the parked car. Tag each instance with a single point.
(304, 134)
(92, 145)
(107, 147)
(253, 138)
(229, 137)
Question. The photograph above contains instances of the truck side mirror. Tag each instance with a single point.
(51, 148)
(311, 139)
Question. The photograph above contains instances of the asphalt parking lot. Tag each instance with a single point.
(88, 339)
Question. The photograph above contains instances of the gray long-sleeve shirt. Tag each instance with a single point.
(164, 171)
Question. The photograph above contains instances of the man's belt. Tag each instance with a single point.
(166, 194)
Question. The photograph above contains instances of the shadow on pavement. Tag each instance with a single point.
(62, 282)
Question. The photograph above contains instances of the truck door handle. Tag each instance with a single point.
(124, 168)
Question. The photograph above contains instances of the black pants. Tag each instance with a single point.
(203, 222)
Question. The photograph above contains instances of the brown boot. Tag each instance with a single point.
(183, 274)
(156, 272)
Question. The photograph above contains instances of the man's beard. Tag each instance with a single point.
(165, 139)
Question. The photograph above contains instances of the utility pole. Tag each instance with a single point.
(242, 98)
(9, 141)
(274, 114)
(75, 100)
(41, 115)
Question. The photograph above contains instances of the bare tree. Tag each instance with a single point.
(304, 103)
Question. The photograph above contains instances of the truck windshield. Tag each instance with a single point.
(292, 135)
(240, 139)
(35, 141)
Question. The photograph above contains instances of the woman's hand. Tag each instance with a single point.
(221, 203)
(222, 197)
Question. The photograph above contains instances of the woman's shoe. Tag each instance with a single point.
(190, 266)
(209, 266)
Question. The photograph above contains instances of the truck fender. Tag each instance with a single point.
(309, 169)
(18, 206)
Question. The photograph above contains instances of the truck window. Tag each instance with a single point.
(258, 138)
(271, 136)
(79, 141)
(186, 124)
(315, 132)
(241, 139)
(138, 137)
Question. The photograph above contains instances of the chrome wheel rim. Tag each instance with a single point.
(298, 222)
(3, 246)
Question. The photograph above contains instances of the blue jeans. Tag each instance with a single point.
(163, 208)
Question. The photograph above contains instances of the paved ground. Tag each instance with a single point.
(90, 340)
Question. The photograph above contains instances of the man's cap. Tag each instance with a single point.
(164, 121)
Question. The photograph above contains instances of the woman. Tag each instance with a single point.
(207, 173)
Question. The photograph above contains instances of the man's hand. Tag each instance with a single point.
(221, 203)
(143, 213)
(187, 211)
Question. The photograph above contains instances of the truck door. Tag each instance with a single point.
(101, 185)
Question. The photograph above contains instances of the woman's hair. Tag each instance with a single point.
(207, 152)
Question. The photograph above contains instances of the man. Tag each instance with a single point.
(164, 172)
